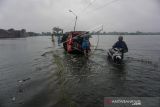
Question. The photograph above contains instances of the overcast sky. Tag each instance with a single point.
(114, 15)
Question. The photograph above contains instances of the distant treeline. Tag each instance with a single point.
(125, 33)
(12, 33)
(39, 34)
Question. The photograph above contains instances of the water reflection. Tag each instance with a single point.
(76, 82)
(64, 97)
(81, 82)
(82, 78)
(117, 80)
(77, 65)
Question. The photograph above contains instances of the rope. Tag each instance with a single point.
(97, 41)
(83, 33)
(96, 44)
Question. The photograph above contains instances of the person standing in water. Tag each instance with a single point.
(120, 44)
(86, 45)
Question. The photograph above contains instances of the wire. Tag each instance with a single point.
(98, 8)
(82, 11)
(108, 3)
(87, 6)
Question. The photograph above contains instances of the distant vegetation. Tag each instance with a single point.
(12, 33)
(57, 31)
(126, 33)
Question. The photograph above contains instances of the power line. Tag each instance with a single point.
(106, 4)
(87, 6)
(98, 8)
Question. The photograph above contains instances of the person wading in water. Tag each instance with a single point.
(120, 44)
(86, 45)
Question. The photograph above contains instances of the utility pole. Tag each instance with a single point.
(75, 19)
(75, 24)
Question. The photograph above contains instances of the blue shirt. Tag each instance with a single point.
(85, 43)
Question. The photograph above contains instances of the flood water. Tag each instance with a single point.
(34, 72)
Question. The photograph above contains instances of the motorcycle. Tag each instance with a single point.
(116, 55)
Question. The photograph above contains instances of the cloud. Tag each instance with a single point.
(42, 15)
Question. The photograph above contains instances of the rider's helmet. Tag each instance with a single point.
(120, 38)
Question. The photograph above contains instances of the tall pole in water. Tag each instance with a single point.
(75, 19)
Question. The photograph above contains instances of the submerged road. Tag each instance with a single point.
(34, 72)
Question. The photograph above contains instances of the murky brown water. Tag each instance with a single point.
(34, 72)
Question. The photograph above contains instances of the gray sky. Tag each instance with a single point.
(115, 15)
